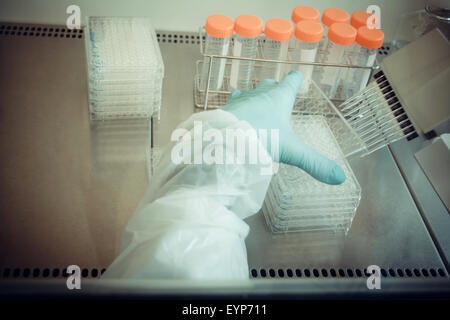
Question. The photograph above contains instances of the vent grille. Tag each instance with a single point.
(42, 31)
(15, 273)
(178, 38)
(42, 273)
(384, 50)
(346, 273)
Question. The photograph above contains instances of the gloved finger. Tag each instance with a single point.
(234, 94)
(292, 82)
(296, 153)
(267, 83)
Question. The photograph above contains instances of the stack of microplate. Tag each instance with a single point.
(296, 201)
(125, 68)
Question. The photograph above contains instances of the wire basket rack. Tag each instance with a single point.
(360, 126)
(216, 99)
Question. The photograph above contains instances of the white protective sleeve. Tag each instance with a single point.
(188, 224)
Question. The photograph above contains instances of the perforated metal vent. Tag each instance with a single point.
(346, 273)
(384, 50)
(15, 273)
(37, 30)
(178, 38)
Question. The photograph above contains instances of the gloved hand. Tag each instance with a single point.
(269, 106)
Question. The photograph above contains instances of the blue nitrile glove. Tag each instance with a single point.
(269, 106)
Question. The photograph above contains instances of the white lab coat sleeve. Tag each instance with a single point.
(189, 224)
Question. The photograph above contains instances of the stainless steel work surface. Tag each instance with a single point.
(433, 210)
(387, 230)
(69, 185)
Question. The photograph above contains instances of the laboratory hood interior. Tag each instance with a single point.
(69, 184)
